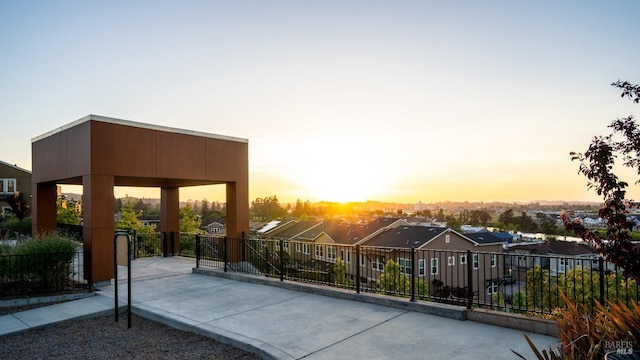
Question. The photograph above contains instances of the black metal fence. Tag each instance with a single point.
(70, 230)
(187, 244)
(528, 284)
(43, 274)
(147, 244)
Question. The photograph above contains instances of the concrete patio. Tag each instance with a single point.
(279, 323)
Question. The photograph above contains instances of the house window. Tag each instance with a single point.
(447, 238)
(493, 260)
(405, 265)
(434, 266)
(263, 243)
(285, 245)
(492, 287)
(319, 251)
(303, 248)
(361, 260)
(451, 261)
(332, 252)
(421, 267)
(564, 265)
(346, 256)
(463, 259)
(7, 186)
(377, 263)
(476, 261)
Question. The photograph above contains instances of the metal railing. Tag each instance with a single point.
(147, 244)
(43, 274)
(527, 284)
(187, 244)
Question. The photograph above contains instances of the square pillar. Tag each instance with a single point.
(170, 218)
(237, 217)
(99, 229)
(43, 208)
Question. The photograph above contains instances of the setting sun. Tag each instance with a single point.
(345, 170)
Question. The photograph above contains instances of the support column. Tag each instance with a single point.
(170, 217)
(98, 229)
(237, 217)
(43, 208)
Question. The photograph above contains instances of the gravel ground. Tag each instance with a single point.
(103, 338)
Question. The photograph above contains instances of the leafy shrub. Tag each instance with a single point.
(188, 245)
(13, 225)
(42, 264)
(590, 336)
(146, 244)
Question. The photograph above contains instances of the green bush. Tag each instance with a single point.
(188, 245)
(13, 225)
(42, 264)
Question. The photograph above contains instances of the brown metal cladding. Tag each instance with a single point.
(122, 150)
(101, 153)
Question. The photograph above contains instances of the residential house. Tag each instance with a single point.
(556, 256)
(635, 221)
(593, 221)
(272, 227)
(441, 258)
(150, 220)
(318, 244)
(13, 180)
(505, 236)
(215, 227)
(336, 239)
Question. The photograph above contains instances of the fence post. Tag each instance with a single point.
(224, 253)
(267, 268)
(601, 272)
(197, 250)
(281, 262)
(469, 279)
(357, 269)
(135, 244)
(414, 264)
(164, 244)
(243, 244)
(88, 266)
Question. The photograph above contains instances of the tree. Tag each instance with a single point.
(204, 209)
(597, 164)
(547, 224)
(454, 224)
(506, 217)
(128, 217)
(190, 220)
(140, 207)
(525, 222)
(67, 214)
(267, 209)
(340, 273)
(393, 281)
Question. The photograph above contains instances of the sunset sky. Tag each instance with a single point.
(401, 101)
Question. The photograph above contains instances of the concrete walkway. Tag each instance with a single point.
(279, 323)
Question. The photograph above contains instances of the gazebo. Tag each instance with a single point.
(99, 153)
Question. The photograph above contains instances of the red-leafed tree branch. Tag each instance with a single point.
(596, 164)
